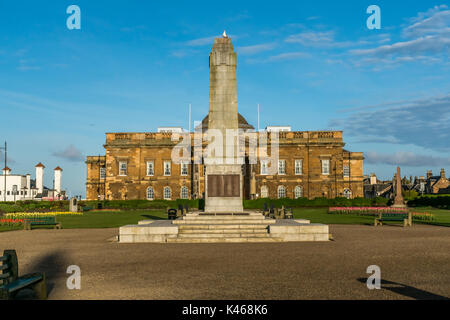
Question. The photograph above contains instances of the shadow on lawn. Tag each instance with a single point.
(148, 216)
(407, 291)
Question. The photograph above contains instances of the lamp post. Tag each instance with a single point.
(4, 173)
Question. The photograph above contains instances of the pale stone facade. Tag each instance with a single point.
(138, 149)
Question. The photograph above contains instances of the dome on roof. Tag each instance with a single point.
(242, 123)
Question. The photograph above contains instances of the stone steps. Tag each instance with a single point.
(224, 235)
(222, 240)
(222, 226)
(217, 229)
(221, 221)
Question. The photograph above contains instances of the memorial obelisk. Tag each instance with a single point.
(223, 169)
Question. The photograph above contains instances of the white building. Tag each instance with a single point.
(171, 129)
(278, 128)
(22, 187)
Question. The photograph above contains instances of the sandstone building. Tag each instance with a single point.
(140, 165)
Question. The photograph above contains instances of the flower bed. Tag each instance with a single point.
(10, 221)
(21, 215)
(369, 211)
(422, 216)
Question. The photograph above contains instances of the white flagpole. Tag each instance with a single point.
(189, 117)
(258, 117)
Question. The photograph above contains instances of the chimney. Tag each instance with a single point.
(429, 174)
(373, 178)
(6, 171)
(58, 172)
(28, 182)
(442, 173)
(411, 180)
(40, 177)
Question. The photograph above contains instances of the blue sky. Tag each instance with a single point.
(136, 65)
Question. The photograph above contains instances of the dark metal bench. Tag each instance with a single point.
(172, 214)
(28, 223)
(405, 217)
(11, 283)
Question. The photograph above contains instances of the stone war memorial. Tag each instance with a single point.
(224, 219)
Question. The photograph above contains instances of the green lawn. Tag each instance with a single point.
(102, 219)
(321, 215)
(115, 219)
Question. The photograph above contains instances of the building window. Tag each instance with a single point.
(298, 192)
(264, 192)
(167, 193)
(184, 193)
(281, 166)
(347, 193)
(264, 168)
(184, 169)
(150, 193)
(167, 168)
(122, 168)
(204, 170)
(346, 171)
(150, 168)
(298, 166)
(281, 192)
(102, 173)
(326, 166)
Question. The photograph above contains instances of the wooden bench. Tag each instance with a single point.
(11, 283)
(28, 223)
(405, 217)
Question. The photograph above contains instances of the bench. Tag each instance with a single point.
(11, 283)
(405, 217)
(172, 214)
(41, 221)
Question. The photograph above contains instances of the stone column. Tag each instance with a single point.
(223, 183)
(399, 202)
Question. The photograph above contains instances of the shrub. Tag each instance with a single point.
(317, 202)
(442, 202)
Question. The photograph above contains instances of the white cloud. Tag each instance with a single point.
(427, 39)
(70, 153)
(402, 158)
(424, 123)
(201, 41)
(249, 50)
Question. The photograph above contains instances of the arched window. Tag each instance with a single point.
(281, 192)
(264, 192)
(347, 193)
(298, 192)
(167, 193)
(184, 194)
(150, 193)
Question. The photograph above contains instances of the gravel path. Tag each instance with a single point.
(414, 262)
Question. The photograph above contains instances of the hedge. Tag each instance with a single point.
(140, 204)
(317, 202)
(442, 202)
(33, 206)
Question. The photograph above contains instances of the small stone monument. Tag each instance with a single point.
(399, 202)
(73, 205)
